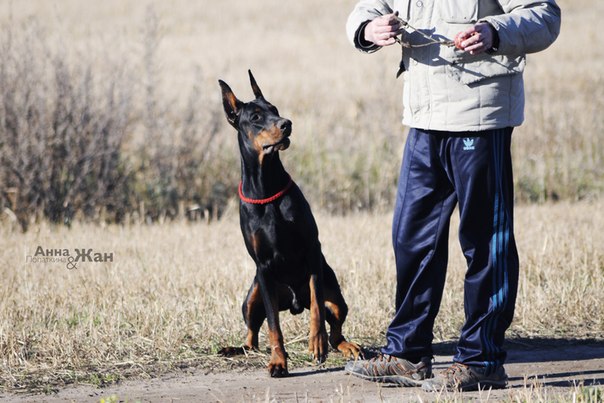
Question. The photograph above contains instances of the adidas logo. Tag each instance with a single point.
(468, 144)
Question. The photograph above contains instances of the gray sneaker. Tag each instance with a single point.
(389, 369)
(463, 377)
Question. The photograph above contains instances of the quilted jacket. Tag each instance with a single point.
(448, 89)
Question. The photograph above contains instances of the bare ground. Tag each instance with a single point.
(540, 370)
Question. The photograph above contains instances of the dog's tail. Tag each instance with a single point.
(296, 308)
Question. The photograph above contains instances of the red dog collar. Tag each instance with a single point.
(268, 199)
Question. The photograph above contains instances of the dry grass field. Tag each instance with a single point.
(172, 294)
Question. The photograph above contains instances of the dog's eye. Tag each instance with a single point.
(255, 117)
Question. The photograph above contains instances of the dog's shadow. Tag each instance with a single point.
(243, 354)
(317, 371)
(367, 353)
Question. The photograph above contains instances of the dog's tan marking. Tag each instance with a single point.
(336, 339)
(253, 300)
(256, 243)
(277, 366)
(317, 340)
(265, 138)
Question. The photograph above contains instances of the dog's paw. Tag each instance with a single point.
(317, 346)
(277, 367)
(277, 370)
(350, 349)
(231, 351)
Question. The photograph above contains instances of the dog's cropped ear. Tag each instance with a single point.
(255, 87)
(232, 106)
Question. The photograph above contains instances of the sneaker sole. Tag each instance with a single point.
(484, 385)
(396, 379)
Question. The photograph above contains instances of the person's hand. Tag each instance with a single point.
(476, 39)
(383, 30)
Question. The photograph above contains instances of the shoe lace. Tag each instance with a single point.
(382, 357)
(455, 368)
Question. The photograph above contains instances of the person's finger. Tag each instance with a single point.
(395, 27)
(394, 21)
(388, 42)
(486, 33)
(384, 39)
(385, 19)
(472, 40)
(388, 27)
(386, 30)
(475, 39)
(464, 35)
(469, 31)
(382, 30)
(475, 48)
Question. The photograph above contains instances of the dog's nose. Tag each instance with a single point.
(285, 125)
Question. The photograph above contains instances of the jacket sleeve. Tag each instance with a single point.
(527, 26)
(365, 11)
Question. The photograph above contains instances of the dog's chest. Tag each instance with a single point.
(274, 241)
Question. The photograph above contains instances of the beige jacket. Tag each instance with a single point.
(450, 90)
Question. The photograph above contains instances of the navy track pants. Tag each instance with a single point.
(439, 170)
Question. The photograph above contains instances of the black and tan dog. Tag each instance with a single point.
(281, 236)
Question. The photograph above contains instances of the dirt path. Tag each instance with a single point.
(558, 368)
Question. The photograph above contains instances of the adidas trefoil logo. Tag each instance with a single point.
(468, 144)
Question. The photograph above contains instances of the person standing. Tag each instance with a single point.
(463, 95)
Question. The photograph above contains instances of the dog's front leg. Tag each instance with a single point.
(277, 366)
(317, 341)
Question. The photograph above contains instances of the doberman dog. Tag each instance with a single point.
(281, 236)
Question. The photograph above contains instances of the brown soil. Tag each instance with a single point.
(556, 367)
